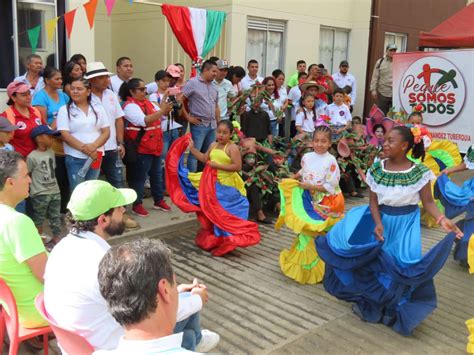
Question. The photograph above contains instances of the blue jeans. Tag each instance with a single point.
(21, 207)
(203, 137)
(191, 328)
(73, 165)
(146, 165)
(274, 128)
(112, 173)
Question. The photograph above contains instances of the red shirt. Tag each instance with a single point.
(22, 141)
(322, 81)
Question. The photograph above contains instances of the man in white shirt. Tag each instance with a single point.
(124, 73)
(294, 96)
(346, 81)
(98, 76)
(71, 290)
(252, 77)
(139, 284)
(32, 77)
(224, 88)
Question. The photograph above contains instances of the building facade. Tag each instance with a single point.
(276, 33)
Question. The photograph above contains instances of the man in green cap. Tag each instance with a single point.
(71, 290)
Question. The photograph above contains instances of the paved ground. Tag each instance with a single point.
(256, 309)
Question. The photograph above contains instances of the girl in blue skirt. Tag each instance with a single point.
(374, 257)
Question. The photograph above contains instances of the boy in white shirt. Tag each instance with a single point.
(339, 114)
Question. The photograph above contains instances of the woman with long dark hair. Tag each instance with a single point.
(84, 128)
(144, 131)
(71, 71)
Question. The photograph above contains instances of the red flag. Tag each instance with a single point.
(90, 8)
(69, 21)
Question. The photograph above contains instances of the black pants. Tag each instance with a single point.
(384, 103)
(63, 182)
(254, 197)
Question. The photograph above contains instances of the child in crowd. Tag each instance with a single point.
(306, 118)
(415, 118)
(312, 206)
(44, 189)
(6, 134)
(339, 114)
(378, 136)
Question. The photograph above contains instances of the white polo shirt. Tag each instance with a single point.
(114, 111)
(306, 123)
(72, 296)
(85, 128)
(294, 95)
(166, 345)
(247, 81)
(348, 79)
(115, 83)
(339, 115)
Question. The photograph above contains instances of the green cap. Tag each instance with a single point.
(92, 198)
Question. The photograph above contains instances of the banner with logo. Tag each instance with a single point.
(443, 83)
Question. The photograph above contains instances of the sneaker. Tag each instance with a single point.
(147, 184)
(139, 210)
(130, 223)
(162, 205)
(208, 342)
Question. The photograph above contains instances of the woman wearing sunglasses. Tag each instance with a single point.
(144, 130)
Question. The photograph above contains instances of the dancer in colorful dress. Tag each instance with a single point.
(217, 195)
(310, 207)
(374, 256)
(457, 200)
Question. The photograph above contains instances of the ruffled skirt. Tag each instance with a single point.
(302, 263)
(456, 201)
(389, 282)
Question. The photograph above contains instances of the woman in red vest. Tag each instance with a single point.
(144, 129)
(22, 114)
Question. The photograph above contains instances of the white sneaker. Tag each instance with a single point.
(208, 342)
(147, 184)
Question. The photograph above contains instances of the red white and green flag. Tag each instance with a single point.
(197, 30)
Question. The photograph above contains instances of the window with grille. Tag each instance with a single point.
(265, 43)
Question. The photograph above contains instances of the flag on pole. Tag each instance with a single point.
(33, 36)
(197, 30)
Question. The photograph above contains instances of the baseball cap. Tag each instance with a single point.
(344, 63)
(92, 198)
(222, 64)
(174, 71)
(17, 87)
(43, 129)
(6, 125)
(391, 46)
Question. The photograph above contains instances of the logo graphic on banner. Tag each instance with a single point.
(436, 84)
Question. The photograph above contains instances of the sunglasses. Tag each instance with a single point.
(142, 89)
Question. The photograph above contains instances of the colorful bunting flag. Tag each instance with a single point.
(90, 8)
(33, 36)
(109, 4)
(69, 21)
(51, 28)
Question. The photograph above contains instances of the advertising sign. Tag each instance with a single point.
(443, 83)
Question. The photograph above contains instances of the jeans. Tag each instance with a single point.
(112, 173)
(146, 165)
(168, 138)
(21, 207)
(203, 137)
(73, 165)
(191, 328)
(274, 128)
(63, 181)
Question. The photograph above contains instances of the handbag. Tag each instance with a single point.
(131, 148)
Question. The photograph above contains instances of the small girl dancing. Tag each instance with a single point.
(311, 203)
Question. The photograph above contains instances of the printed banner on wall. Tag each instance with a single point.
(443, 83)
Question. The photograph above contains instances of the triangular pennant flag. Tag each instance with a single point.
(33, 35)
(69, 21)
(131, 1)
(51, 28)
(90, 8)
(109, 4)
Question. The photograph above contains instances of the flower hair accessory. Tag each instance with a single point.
(418, 108)
(419, 133)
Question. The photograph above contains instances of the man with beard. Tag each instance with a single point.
(71, 288)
